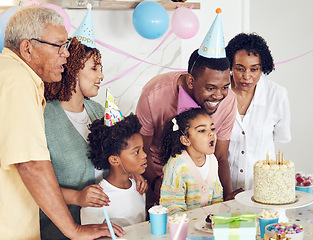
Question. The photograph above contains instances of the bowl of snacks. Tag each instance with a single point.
(304, 182)
(288, 230)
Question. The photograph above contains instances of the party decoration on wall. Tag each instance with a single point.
(4, 18)
(185, 23)
(112, 114)
(150, 19)
(32, 3)
(213, 45)
(84, 32)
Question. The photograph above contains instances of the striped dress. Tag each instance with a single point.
(183, 187)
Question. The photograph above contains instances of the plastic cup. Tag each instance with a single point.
(263, 222)
(158, 222)
(183, 232)
(304, 189)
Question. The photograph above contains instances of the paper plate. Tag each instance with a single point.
(201, 225)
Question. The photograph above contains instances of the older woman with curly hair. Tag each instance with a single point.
(263, 111)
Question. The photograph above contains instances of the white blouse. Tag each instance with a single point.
(266, 120)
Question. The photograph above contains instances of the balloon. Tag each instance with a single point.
(150, 19)
(31, 3)
(67, 21)
(4, 18)
(185, 23)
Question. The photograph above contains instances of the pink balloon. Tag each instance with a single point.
(185, 23)
(31, 3)
(67, 21)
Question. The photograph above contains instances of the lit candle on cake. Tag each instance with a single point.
(267, 158)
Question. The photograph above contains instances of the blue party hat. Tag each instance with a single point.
(213, 45)
(84, 32)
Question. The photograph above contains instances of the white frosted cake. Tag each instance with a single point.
(274, 182)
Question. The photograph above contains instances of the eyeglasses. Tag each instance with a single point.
(61, 47)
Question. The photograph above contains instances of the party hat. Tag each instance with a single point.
(84, 32)
(185, 102)
(213, 45)
(112, 114)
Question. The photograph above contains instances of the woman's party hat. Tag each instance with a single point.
(84, 32)
(112, 114)
(185, 102)
(213, 45)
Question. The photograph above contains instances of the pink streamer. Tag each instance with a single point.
(133, 67)
(289, 60)
(114, 49)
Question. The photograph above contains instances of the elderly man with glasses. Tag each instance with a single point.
(35, 51)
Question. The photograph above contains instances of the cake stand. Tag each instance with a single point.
(303, 199)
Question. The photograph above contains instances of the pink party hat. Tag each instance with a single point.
(84, 32)
(185, 102)
(112, 114)
(213, 45)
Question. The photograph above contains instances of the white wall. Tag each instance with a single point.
(287, 26)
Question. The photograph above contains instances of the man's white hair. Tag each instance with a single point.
(29, 22)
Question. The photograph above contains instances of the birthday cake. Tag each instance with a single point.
(274, 181)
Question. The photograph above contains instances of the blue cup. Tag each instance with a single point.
(304, 189)
(158, 223)
(263, 222)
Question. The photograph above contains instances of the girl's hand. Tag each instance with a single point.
(141, 183)
(93, 196)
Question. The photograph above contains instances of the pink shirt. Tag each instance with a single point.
(158, 104)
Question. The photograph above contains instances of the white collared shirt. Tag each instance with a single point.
(266, 120)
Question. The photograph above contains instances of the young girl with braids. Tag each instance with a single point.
(191, 170)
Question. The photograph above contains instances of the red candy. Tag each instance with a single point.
(299, 180)
(302, 180)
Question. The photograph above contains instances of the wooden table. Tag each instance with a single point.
(141, 231)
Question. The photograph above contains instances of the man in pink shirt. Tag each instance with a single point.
(207, 83)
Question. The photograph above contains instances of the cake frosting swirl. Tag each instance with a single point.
(274, 182)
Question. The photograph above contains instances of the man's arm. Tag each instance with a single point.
(221, 153)
(41, 182)
(150, 172)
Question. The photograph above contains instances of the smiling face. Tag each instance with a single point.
(210, 88)
(133, 157)
(89, 78)
(45, 59)
(246, 70)
(201, 135)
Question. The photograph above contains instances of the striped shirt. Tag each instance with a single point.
(184, 189)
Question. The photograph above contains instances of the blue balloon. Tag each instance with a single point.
(150, 19)
(4, 18)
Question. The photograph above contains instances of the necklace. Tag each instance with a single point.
(80, 118)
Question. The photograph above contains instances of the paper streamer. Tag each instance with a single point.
(289, 60)
(135, 66)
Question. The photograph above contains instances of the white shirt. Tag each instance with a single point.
(204, 169)
(81, 121)
(266, 120)
(127, 206)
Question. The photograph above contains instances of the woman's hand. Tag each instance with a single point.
(141, 183)
(233, 194)
(92, 196)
